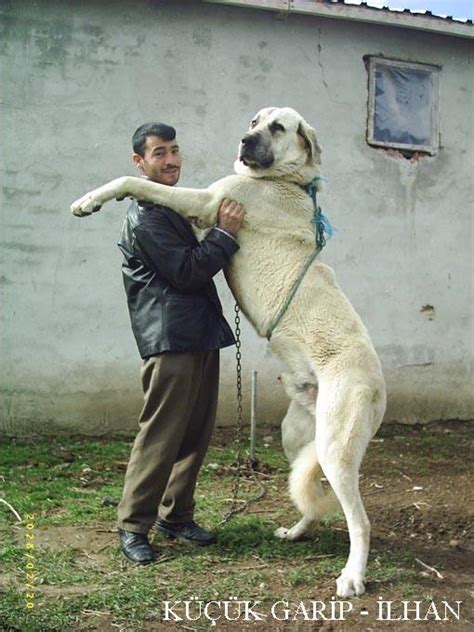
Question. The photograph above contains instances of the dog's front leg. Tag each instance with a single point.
(91, 202)
(198, 205)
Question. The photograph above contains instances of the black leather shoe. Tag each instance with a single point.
(135, 547)
(189, 532)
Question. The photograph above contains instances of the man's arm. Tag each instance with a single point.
(185, 267)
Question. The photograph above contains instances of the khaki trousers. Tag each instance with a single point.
(176, 422)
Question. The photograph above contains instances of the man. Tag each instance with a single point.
(179, 327)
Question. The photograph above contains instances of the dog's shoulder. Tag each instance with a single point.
(231, 183)
(237, 186)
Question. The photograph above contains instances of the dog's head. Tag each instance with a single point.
(279, 144)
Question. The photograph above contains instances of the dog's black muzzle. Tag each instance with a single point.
(253, 153)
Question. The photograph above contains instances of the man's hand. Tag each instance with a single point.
(230, 216)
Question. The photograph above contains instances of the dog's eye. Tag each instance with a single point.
(276, 127)
(253, 123)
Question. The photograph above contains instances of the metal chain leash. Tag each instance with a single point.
(240, 435)
(234, 509)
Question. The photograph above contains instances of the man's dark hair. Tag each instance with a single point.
(166, 132)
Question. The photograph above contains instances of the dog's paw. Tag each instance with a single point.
(287, 534)
(350, 584)
(281, 533)
(85, 205)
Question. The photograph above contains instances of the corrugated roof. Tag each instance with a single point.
(364, 12)
(415, 12)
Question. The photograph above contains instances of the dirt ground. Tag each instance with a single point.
(425, 508)
(418, 503)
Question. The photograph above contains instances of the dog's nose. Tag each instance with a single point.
(249, 139)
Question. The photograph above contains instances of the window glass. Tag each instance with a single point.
(402, 105)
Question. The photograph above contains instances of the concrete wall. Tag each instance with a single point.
(78, 79)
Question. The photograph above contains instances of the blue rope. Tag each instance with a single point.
(323, 228)
(323, 232)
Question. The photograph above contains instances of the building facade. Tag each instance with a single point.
(391, 98)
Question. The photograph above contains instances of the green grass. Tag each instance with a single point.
(63, 483)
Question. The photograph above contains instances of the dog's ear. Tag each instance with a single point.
(313, 148)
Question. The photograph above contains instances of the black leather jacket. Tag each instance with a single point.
(167, 273)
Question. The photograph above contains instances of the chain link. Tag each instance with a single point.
(234, 508)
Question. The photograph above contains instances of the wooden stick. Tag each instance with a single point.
(430, 568)
(12, 509)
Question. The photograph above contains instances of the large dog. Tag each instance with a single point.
(334, 377)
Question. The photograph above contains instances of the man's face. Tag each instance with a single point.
(161, 161)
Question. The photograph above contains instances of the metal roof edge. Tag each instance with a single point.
(371, 15)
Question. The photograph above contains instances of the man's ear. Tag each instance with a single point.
(313, 148)
(138, 161)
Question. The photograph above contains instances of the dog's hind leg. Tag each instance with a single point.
(296, 532)
(297, 429)
(347, 417)
(307, 493)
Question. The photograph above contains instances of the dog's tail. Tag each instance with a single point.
(306, 489)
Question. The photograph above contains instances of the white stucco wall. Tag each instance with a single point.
(76, 82)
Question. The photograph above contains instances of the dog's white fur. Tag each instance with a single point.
(334, 377)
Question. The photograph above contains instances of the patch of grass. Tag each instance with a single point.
(51, 567)
(388, 569)
(54, 616)
(62, 568)
(299, 576)
(10, 554)
(43, 477)
(255, 536)
(63, 483)
(126, 595)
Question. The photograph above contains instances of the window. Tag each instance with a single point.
(403, 105)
